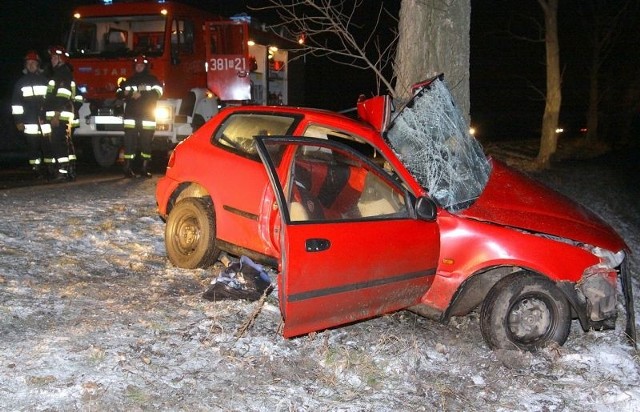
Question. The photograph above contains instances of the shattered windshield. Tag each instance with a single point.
(431, 138)
(117, 36)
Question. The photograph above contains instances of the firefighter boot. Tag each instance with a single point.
(52, 171)
(126, 168)
(38, 171)
(62, 173)
(71, 171)
(146, 163)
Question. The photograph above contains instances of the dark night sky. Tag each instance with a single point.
(502, 68)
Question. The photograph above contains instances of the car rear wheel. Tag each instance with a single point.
(190, 234)
(525, 311)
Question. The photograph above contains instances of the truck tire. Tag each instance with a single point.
(105, 149)
(190, 234)
(525, 311)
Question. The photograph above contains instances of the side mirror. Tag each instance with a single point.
(426, 209)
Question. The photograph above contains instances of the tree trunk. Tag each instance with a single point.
(434, 39)
(549, 137)
(592, 110)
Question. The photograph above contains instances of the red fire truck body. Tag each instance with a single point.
(202, 60)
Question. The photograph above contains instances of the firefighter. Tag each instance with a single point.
(78, 100)
(140, 93)
(26, 106)
(59, 113)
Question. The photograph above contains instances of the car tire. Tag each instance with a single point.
(190, 234)
(525, 311)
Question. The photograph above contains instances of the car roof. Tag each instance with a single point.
(310, 115)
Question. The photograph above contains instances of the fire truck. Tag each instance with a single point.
(203, 61)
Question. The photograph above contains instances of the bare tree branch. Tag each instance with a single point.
(331, 29)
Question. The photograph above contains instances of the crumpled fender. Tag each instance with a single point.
(570, 292)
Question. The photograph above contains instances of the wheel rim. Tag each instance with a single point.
(187, 235)
(530, 319)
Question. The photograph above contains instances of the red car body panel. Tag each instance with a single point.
(496, 246)
(348, 270)
(344, 284)
(238, 215)
(243, 187)
(512, 199)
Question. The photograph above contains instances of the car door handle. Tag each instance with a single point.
(317, 245)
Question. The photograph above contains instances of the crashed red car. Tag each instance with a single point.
(397, 210)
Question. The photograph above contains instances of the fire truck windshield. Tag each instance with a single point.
(119, 36)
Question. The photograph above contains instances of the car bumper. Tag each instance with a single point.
(164, 188)
(594, 300)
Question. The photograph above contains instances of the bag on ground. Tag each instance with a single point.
(244, 279)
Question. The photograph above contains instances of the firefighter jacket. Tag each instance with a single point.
(61, 92)
(27, 103)
(143, 108)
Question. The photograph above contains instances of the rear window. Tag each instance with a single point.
(237, 132)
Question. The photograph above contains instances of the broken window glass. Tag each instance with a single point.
(432, 139)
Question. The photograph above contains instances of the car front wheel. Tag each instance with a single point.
(525, 311)
(190, 234)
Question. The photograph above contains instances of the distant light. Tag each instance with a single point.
(107, 2)
(472, 131)
(302, 38)
(559, 130)
(272, 50)
(163, 12)
(583, 130)
(76, 15)
(251, 43)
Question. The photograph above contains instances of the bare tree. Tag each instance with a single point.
(549, 137)
(332, 29)
(432, 37)
(602, 22)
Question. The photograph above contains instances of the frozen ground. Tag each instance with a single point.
(93, 317)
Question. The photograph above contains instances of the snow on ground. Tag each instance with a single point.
(94, 317)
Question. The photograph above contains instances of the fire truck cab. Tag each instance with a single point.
(202, 60)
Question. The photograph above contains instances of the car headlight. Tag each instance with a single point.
(609, 258)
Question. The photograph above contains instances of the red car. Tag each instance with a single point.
(397, 210)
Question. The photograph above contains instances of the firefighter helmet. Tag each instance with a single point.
(32, 55)
(59, 51)
(141, 58)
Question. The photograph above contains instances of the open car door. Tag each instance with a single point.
(351, 245)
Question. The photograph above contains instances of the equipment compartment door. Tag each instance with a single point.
(228, 60)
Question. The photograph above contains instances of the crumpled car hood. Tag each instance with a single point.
(513, 199)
